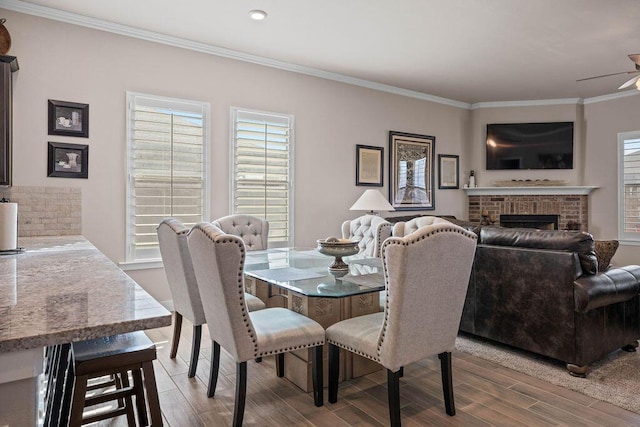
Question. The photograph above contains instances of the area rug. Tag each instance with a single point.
(615, 379)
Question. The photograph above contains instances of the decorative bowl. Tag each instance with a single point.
(332, 246)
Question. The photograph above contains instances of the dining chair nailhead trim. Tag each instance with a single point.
(288, 349)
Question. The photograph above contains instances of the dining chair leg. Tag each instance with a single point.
(195, 350)
(447, 382)
(334, 372)
(177, 328)
(317, 371)
(215, 368)
(393, 391)
(280, 365)
(241, 394)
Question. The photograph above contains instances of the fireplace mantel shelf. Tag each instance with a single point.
(530, 191)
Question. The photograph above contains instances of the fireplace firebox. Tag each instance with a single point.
(543, 222)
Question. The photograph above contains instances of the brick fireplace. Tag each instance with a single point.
(571, 206)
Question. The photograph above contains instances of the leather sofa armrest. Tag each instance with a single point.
(605, 288)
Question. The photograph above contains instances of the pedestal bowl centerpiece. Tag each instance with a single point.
(332, 246)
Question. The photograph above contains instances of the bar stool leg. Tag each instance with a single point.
(138, 386)
(152, 393)
(77, 403)
(123, 378)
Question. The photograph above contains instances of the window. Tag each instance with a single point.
(629, 186)
(167, 145)
(262, 163)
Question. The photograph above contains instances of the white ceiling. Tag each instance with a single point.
(465, 50)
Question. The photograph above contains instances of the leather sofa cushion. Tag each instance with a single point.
(609, 287)
(579, 242)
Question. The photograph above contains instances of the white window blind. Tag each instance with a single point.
(262, 170)
(629, 185)
(167, 142)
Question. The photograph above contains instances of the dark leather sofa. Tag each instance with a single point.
(541, 291)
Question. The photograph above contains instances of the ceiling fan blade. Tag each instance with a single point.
(635, 58)
(629, 82)
(606, 75)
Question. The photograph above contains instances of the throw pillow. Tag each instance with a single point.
(605, 249)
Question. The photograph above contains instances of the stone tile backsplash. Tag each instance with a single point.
(46, 211)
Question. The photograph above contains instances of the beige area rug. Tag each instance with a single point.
(615, 379)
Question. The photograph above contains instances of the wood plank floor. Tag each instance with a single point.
(486, 394)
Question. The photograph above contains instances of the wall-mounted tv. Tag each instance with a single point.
(530, 146)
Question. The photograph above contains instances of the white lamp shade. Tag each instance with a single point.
(371, 200)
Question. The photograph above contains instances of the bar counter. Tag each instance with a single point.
(59, 290)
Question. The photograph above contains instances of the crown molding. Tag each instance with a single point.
(98, 24)
(531, 103)
(612, 96)
(85, 21)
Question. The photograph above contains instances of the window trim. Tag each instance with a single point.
(624, 237)
(131, 263)
(232, 154)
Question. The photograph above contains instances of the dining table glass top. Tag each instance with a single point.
(306, 271)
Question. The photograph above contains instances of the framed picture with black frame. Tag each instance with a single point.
(68, 160)
(448, 171)
(411, 171)
(68, 118)
(369, 166)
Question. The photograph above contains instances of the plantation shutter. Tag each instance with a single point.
(630, 188)
(167, 168)
(262, 164)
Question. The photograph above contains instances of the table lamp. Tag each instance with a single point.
(372, 201)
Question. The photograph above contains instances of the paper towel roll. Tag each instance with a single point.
(8, 226)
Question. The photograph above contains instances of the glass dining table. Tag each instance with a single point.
(299, 279)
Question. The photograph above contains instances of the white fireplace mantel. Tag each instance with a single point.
(530, 191)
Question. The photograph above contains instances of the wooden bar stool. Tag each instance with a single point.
(115, 357)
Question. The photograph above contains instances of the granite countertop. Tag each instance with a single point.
(62, 289)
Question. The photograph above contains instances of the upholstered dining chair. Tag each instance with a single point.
(174, 249)
(218, 261)
(370, 230)
(420, 319)
(254, 231)
(401, 229)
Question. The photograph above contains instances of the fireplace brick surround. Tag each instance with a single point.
(569, 207)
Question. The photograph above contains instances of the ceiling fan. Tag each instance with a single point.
(635, 80)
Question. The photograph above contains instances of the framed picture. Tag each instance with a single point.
(68, 118)
(369, 168)
(411, 173)
(448, 171)
(68, 160)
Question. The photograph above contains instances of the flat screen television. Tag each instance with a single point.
(530, 146)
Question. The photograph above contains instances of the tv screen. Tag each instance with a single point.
(530, 146)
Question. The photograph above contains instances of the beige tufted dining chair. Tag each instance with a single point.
(254, 231)
(370, 230)
(174, 249)
(218, 261)
(420, 319)
(401, 229)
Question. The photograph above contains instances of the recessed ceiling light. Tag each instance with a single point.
(258, 15)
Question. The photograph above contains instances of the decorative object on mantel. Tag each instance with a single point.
(5, 38)
(472, 179)
(530, 183)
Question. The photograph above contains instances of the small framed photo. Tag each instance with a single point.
(448, 171)
(369, 167)
(68, 118)
(68, 160)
